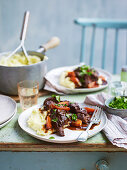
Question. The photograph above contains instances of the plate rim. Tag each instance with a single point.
(1, 122)
(81, 90)
(5, 123)
(53, 140)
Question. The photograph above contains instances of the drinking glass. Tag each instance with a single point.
(118, 88)
(28, 93)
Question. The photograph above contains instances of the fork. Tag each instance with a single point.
(95, 119)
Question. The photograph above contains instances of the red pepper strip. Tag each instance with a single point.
(89, 109)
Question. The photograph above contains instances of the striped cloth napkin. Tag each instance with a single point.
(116, 128)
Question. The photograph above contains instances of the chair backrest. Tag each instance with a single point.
(105, 24)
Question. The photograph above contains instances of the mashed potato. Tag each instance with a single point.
(37, 121)
(19, 60)
(65, 81)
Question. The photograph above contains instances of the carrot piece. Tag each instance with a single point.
(76, 123)
(102, 77)
(60, 107)
(71, 74)
(92, 85)
(73, 78)
(89, 109)
(64, 103)
(48, 123)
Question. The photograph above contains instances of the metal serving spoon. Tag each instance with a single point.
(53, 42)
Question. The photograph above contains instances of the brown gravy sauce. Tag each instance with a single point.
(83, 127)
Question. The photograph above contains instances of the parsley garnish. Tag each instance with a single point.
(51, 137)
(72, 102)
(67, 115)
(85, 70)
(82, 80)
(53, 95)
(119, 103)
(57, 97)
(54, 111)
(74, 117)
(55, 120)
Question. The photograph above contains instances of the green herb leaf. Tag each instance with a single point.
(54, 111)
(53, 95)
(51, 137)
(55, 120)
(85, 67)
(74, 117)
(82, 80)
(89, 73)
(68, 116)
(58, 98)
(119, 103)
(72, 102)
(85, 70)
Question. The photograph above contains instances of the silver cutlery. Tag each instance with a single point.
(95, 119)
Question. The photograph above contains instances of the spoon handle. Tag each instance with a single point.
(24, 26)
(53, 42)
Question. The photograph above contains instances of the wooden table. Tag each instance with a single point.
(13, 138)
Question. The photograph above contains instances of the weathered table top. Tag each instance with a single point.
(13, 138)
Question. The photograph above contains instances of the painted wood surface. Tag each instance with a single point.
(60, 161)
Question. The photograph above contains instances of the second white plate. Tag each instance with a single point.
(53, 77)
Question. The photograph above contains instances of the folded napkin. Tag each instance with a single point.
(48, 86)
(116, 128)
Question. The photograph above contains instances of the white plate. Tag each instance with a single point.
(7, 108)
(70, 135)
(5, 123)
(53, 77)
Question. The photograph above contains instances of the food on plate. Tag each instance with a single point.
(82, 77)
(119, 102)
(37, 122)
(56, 115)
(19, 60)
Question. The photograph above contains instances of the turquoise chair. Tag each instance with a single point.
(105, 24)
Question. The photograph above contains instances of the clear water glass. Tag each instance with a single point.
(28, 93)
(118, 88)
